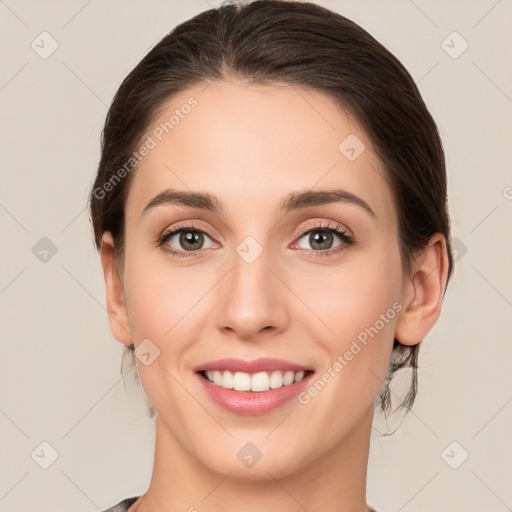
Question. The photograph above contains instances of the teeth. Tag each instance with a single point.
(227, 380)
(242, 381)
(217, 377)
(260, 382)
(257, 382)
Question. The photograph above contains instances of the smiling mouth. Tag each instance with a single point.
(254, 382)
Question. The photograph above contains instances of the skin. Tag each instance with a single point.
(251, 146)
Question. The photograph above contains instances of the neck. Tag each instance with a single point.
(334, 481)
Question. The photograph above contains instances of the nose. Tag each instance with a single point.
(252, 301)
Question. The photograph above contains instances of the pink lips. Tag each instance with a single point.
(264, 364)
(249, 402)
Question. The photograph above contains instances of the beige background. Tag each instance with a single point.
(59, 365)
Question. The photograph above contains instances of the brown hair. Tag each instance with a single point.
(306, 45)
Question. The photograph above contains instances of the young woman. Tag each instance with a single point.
(270, 210)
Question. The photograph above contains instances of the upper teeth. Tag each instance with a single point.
(261, 381)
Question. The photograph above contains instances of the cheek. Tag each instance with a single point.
(359, 306)
(163, 306)
(158, 294)
(349, 298)
(360, 310)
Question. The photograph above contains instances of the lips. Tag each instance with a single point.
(264, 364)
(253, 387)
(253, 403)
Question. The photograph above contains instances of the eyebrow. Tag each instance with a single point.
(294, 201)
(200, 200)
(297, 200)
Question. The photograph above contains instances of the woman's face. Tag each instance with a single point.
(262, 276)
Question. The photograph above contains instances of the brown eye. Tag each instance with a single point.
(321, 239)
(191, 240)
(324, 239)
(183, 240)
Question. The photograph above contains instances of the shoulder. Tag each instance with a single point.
(123, 505)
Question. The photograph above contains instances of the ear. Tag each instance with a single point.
(423, 293)
(116, 307)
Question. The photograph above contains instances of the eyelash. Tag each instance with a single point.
(346, 239)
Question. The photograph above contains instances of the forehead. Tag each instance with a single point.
(253, 144)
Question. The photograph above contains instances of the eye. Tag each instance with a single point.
(325, 238)
(185, 239)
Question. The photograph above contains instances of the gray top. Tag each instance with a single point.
(123, 505)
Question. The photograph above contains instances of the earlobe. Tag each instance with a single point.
(116, 307)
(423, 293)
